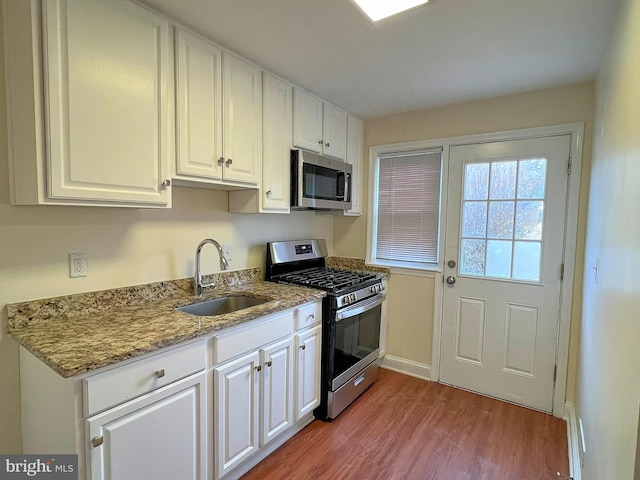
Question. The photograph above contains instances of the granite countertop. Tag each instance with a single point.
(80, 333)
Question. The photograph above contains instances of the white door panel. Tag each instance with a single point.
(505, 233)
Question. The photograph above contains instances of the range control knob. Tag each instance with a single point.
(352, 297)
(373, 289)
(345, 300)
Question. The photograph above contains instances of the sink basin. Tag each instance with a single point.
(222, 305)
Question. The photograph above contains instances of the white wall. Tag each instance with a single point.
(608, 387)
(124, 246)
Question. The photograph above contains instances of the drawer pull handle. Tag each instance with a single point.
(312, 316)
(160, 373)
(269, 363)
(97, 441)
(259, 368)
(303, 347)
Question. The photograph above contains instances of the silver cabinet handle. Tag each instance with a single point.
(160, 373)
(313, 315)
(320, 142)
(259, 368)
(220, 160)
(268, 192)
(269, 363)
(229, 162)
(303, 347)
(166, 183)
(327, 144)
(97, 441)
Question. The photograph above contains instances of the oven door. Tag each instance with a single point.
(356, 341)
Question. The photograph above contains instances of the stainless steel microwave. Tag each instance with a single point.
(318, 182)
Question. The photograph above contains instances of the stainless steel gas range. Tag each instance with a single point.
(351, 317)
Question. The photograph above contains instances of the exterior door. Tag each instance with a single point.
(502, 272)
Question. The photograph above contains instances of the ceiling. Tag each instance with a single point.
(447, 52)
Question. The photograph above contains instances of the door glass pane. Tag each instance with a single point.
(475, 219)
(501, 233)
(500, 220)
(531, 178)
(476, 181)
(526, 261)
(503, 180)
(498, 258)
(472, 258)
(529, 217)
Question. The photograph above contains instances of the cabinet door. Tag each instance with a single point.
(277, 128)
(308, 347)
(277, 389)
(242, 137)
(355, 139)
(199, 104)
(307, 121)
(334, 132)
(236, 411)
(108, 83)
(160, 435)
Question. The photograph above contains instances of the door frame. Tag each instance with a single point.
(576, 130)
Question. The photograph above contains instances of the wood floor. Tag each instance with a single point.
(409, 429)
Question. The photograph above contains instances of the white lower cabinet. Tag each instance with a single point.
(265, 387)
(277, 389)
(253, 403)
(159, 435)
(308, 343)
(236, 411)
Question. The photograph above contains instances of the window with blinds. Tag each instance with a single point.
(408, 208)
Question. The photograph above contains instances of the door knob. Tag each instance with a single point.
(451, 280)
(451, 264)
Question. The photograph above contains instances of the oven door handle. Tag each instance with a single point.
(360, 308)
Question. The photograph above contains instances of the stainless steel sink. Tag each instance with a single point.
(222, 305)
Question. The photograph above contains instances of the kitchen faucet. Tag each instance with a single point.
(224, 265)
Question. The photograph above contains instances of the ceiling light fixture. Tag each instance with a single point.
(380, 9)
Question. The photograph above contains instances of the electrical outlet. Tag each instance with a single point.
(78, 266)
(228, 251)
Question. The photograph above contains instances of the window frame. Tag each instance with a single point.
(372, 217)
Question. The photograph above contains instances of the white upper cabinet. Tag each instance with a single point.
(307, 121)
(278, 124)
(318, 126)
(199, 107)
(242, 116)
(102, 132)
(219, 102)
(277, 121)
(334, 131)
(355, 141)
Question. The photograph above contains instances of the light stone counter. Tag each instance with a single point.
(79, 333)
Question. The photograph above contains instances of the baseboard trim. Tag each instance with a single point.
(575, 469)
(408, 367)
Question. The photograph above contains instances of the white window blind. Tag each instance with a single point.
(408, 206)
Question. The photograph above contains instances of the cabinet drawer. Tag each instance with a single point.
(250, 338)
(308, 315)
(121, 384)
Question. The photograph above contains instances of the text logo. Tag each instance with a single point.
(49, 467)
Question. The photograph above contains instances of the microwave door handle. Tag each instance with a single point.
(347, 187)
(358, 309)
